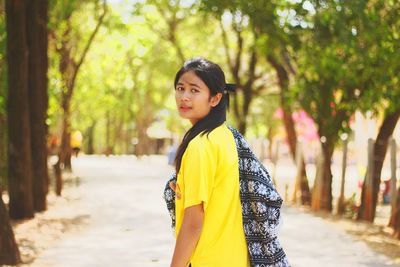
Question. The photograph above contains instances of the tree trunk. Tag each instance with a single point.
(245, 107)
(128, 139)
(109, 147)
(317, 188)
(58, 177)
(326, 196)
(3, 150)
(242, 126)
(90, 139)
(395, 217)
(37, 42)
(304, 187)
(283, 81)
(68, 156)
(118, 139)
(301, 184)
(3, 121)
(19, 144)
(237, 111)
(380, 149)
(144, 119)
(65, 146)
(322, 190)
(144, 146)
(69, 70)
(270, 138)
(245, 87)
(9, 252)
(66, 63)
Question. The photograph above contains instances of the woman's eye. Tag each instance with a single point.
(194, 90)
(178, 88)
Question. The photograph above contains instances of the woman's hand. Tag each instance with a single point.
(175, 187)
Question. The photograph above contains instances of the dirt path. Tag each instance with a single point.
(126, 223)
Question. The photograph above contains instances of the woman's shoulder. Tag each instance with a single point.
(217, 136)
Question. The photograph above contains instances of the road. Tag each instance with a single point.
(128, 225)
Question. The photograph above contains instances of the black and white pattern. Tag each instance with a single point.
(261, 205)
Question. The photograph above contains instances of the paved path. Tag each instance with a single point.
(129, 226)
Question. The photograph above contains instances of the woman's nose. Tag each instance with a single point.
(185, 95)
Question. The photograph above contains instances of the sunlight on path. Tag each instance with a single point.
(313, 241)
(129, 224)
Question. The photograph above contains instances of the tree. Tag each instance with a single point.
(38, 98)
(144, 114)
(395, 218)
(367, 209)
(69, 66)
(275, 41)
(282, 73)
(382, 37)
(9, 252)
(19, 152)
(177, 19)
(334, 76)
(26, 107)
(244, 66)
(3, 93)
(172, 15)
(242, 53)
(123, 87)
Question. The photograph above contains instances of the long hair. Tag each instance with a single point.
(213, 76)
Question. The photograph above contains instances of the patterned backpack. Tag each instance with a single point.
(260, 203)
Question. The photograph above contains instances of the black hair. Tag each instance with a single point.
(213, 76)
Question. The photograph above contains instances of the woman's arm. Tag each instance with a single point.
(188, 236)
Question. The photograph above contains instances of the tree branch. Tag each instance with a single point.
(236, 67)
(288, 62)
(172, 24)
(252, 68)
(88, 44)
(226, 46)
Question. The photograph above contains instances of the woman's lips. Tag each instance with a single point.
(184, 109)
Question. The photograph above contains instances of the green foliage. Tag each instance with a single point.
(339, 64)
(343, 53)
(122, 80)
(269, 18)
(383, 39)
(61, 10)
(126, 81)
(70, 22)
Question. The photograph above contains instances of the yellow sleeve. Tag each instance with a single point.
(199, 166)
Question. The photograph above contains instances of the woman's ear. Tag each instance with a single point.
(215, 99)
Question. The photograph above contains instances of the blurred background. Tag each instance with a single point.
(86, 94)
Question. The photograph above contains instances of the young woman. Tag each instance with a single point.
(207, 208)
(208, 214)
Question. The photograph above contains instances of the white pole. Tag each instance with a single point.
(299, 160)
(344, 165)
(369, 183)
(275, 158)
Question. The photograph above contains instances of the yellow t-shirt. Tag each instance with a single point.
(209, 173)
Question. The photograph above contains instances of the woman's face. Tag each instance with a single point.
(192, 97)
